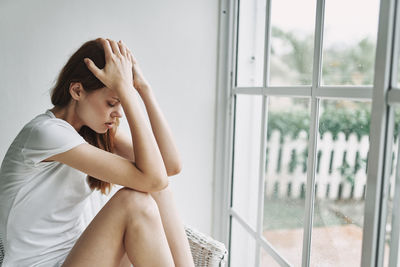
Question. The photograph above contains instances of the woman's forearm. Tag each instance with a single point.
(162, 132)
(147, 154)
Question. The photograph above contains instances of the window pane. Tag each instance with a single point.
(292, 42)
(286, 175)
(342, 149)
(266, 260)
(394, 171)
(247, 157)
(243, 247)
(250, 56)
(349, 42)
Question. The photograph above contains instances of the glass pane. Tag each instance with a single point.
(349, 42)
(247, 157)
(292, 42)
(392, 186)
(266, 260)
(342, 149)
(250, 55)
(286, 175)
(243, 247)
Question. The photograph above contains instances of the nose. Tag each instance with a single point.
(117, 113)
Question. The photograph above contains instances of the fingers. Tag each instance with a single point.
(122, 48)
(107, 48)
(118, 65)
(130, 56)
(125, 51)
(114, 47)
(111, 47)
(93, 68)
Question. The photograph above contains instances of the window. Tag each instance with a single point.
(305, 135)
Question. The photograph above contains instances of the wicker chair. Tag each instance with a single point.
(206, 251)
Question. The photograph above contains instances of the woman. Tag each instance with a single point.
(61, 156)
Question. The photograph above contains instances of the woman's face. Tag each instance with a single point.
(100, 109)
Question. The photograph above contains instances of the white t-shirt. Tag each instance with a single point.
(41, 203)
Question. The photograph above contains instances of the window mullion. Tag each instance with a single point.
(264, 125)
(224, 125)
(267, 43)
(310, 189)
(312, 143)
(261, 178)
(375, 210)
(395, 225)
(387, 165)
(396, 48)
(235, 41)
(233, 44)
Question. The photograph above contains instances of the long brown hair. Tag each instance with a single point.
(76, 71)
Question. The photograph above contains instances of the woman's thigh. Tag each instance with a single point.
(101, 244)
(125, 261)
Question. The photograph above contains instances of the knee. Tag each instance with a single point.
(137, 204)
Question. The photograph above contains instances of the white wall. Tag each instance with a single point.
(175, 43)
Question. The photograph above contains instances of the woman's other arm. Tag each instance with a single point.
(161, 131)
(159, 125)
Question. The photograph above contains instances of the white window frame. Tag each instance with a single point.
(385, 98)
(381, 130)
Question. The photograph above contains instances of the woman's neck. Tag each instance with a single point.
(68, 114)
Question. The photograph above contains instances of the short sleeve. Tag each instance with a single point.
(50, 138)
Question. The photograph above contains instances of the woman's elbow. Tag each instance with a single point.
(160, 183)
(174, 170)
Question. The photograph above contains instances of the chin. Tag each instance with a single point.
(102, 131)
(99, 130)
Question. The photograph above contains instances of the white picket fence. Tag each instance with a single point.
(282, 182)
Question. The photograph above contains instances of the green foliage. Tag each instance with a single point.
(342, 65)
(351, 65)
(300, 55)
(288, 123)
(348, 172)
(334, 120)
(345, 120)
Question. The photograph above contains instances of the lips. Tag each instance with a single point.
(109, 124)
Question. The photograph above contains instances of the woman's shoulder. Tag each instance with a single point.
(45, 128)
(42, 135)
(45, 120)
(45, 136)
(37, 122)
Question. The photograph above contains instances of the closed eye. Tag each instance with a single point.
(110, 104)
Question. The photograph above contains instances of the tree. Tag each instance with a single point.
(342, 65)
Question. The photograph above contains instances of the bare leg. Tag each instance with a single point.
(129, 222)
(173, 227)
(125, 262)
